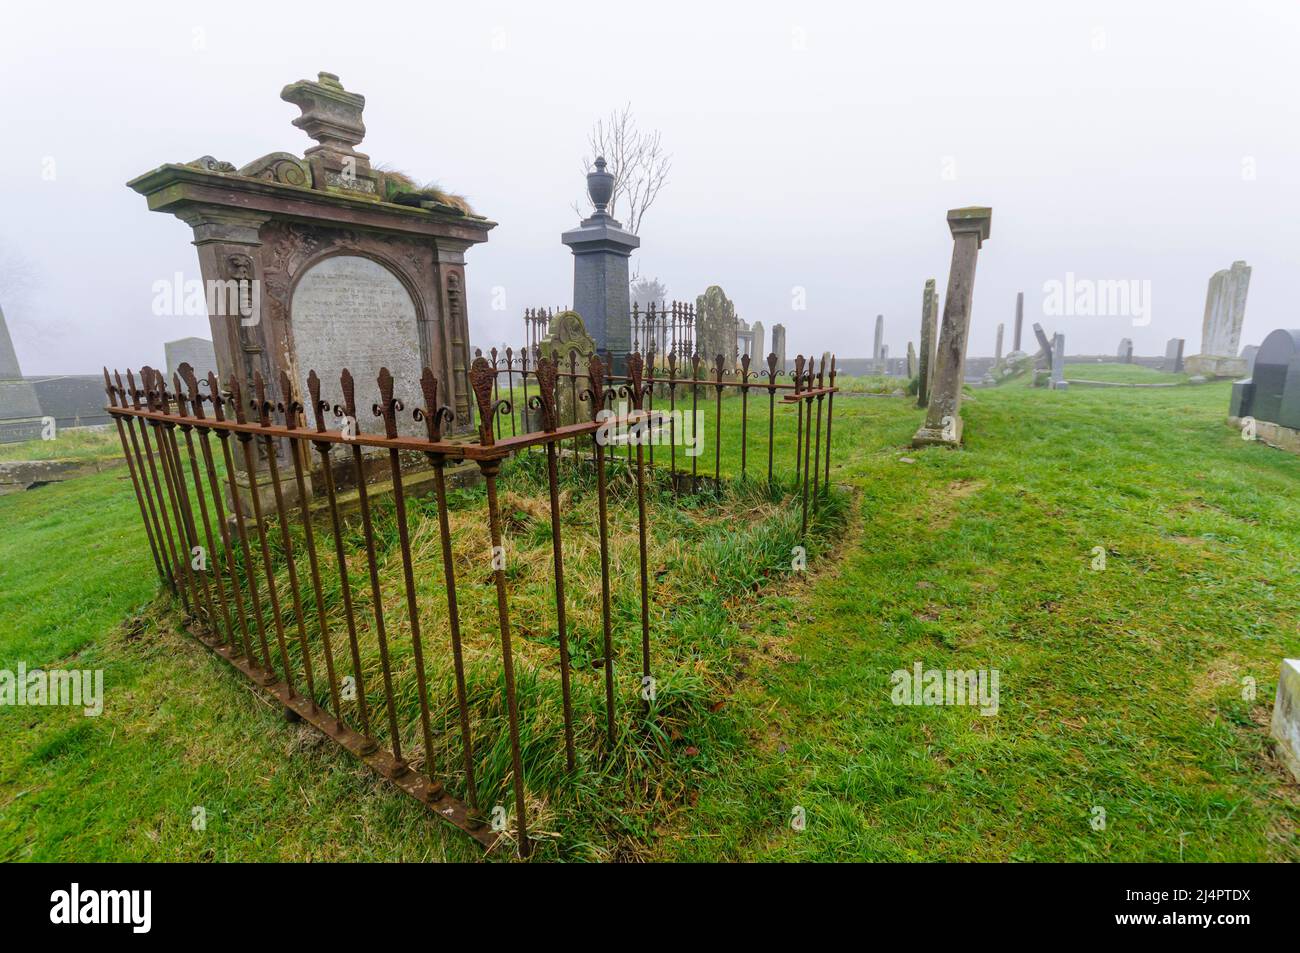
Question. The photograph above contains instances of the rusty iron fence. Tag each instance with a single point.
(194, 448)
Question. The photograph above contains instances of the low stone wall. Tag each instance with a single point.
(1275, 435)
(19, 475)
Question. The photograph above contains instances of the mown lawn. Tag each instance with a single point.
(1120, 689)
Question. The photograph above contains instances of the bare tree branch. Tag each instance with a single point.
(637, 161)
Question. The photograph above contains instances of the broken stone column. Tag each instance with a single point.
(997, 350)
(943, 423)
(876, 356)
(929, 338)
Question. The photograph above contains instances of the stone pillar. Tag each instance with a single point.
(757, 354)
(879, 339)
(601, 249)
(1020, 320)
(911, 361)
(997, 350)
(943, 423)
(778, 345)
(929, 339)
(1058, 363)
(1125, 353)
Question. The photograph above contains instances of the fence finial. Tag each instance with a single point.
(545, 399)
(481, 378)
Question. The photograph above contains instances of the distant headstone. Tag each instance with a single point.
(778, 345)
(929, 340)
(1248, 354)
(1044, 357)
(1173, 363)
(569, 339)
(1125, 353)
(197, 352)
(1225, 311)
(879, 339)
(1058, 363)
(943, 422)
(911, 361)
(757, 353)
(715, 325)
(997, 350)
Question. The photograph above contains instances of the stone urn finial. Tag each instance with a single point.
(600, 186)
(330, 114)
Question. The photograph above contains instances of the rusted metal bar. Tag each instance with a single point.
(244, 645)
(672, 410)
(433, 414)
(510, 385)
(695, 415)
(291, 407)
(635, 393)
(807, 451)
(319, 407)
(548, 409)
(211, 555)
(111, 392)
(131, 398)
(250, 466)
(772, 374)
(267, 674)
(480, 376)
(264, 408)
(150, 377)
(388, 408)
(817, 453)
(595, 393)
(718, 365)
(349, 412)
(830, 410)
(744, 412)
(798, 448)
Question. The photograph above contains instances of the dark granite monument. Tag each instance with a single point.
(1271, 395)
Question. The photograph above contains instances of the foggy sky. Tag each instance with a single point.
(809, 147)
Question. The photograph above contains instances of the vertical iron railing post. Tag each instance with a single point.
(595, 393)
(111, 393)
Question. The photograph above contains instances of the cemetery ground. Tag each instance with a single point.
(1122, 688)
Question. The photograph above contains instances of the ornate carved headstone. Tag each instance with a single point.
(323, 262)
(568, 338)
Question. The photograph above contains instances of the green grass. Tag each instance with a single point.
(1120, 689)
(1122, 374)
(81, 443)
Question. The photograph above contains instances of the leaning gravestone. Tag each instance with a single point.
(943, 423)
(911, 361)
(1225, 311)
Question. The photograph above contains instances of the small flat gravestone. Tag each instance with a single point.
(1286, 715)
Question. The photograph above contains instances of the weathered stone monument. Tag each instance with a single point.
(778, 345)
(601, 248)
(1173, 363)
(323, 262)
(1044, 356)
(1125, 352)
(333, 263)
(1271, 396)
(997, 349)
(569, 339)
(929, 340)
(197, 352)
(1058, 363)
(1225, 311)
(715, 325)
(943, 422)
(877, 356)
(911, 361)
(756, 352)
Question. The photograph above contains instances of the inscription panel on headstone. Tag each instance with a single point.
(349, 311)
